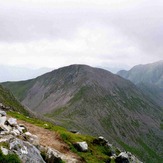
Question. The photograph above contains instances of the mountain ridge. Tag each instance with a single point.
(94, 101)
(148, 78)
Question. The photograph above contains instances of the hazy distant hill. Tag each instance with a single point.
(96, 102)
(13, 73)
(148, 78)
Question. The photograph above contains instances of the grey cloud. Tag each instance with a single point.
(140, 25)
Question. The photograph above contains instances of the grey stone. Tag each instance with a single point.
(31, 138)
(2, 113)
(12, 121)
(2, 120)
(100, 141)
(27, 152)
(52, 156)
(4, 151)
(15, 132)
(81, 146)
(122, 158)
(23, 128)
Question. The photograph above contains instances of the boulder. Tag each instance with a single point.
(52, 155)
(31, 138)
(23, 128)
(12, 122)
(4, 129)
(2, 113)
(2, 120)
(27, 152)
(81, 146)
(100, 141)
(122, 158)
(4, 151)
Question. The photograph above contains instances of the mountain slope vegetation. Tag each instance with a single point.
(97, 102)
(9, 101)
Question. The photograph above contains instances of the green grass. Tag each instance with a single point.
(96, 153)
(10, 158)
(9, 100)
(19, 88)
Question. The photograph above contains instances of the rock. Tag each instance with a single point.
(27, 152)
(23, 128)
(122, 158)
(100, 141)
(15, 132)
(81, 146)
(132, 158)
(2, 120)
(31, 138)
(2, 113)
(5, 128)
(4, 151)
(52, 156)
(6, 138)
(12, 121)
(74, 131)
(109, 145)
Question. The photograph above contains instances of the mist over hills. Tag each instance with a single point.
(14, 73)
(96, 102)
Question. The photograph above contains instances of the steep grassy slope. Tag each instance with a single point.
(96, 102)
(7, 99)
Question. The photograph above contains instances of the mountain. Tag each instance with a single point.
(9, 102)
(97, 102)
(13, 73)
(149, 78)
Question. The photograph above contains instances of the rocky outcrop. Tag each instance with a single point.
(15, 137)
(26, 145)
(81, 146)
(3, 107)
(115, 153)
(27, 152)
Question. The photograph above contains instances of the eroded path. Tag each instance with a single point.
(52, 139)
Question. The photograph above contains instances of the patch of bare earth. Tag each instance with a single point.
(51, 139)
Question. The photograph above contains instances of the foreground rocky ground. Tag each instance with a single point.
(34, 144)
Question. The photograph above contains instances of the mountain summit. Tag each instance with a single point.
(94, 101)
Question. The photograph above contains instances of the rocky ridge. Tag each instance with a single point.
(26, 145)
(16, 139)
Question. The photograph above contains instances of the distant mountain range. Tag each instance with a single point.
(97, 102)
(149, 78)
(13, 73)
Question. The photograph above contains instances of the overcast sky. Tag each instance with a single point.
(103, 33)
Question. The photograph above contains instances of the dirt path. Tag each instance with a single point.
(51, 139)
